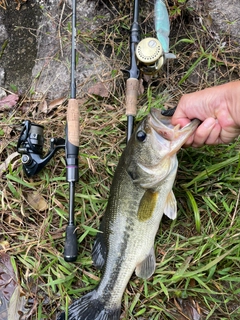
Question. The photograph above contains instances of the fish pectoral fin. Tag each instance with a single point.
(147, 267)
(147, 205)
(99, 251)
(170, 208)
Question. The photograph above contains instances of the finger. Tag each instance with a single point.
(227, 135)
(203, 131)
(182, 121)
(180, 115)
(190, 106)
(189, 142)
(214, 135)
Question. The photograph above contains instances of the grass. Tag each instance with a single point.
(198, 255)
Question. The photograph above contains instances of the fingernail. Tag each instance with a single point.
(209, 122)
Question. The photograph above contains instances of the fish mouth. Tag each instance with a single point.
(165, 130)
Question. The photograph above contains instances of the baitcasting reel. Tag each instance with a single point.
(149, 53)
(30, 146)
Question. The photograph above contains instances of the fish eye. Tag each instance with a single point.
(141, 136)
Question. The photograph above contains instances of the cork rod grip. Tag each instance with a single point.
(73, 122)
(132, 86)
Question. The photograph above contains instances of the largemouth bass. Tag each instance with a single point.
(140, 194)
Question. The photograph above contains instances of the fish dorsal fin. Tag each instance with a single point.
(170, 208)
(147, 267)
(99, 251)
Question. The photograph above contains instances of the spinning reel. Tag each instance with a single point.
(30, 146)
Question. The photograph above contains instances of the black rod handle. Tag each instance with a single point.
(71, 245)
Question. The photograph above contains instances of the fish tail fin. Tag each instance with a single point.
(90, 307)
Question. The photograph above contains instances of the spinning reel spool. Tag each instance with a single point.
(150, 55)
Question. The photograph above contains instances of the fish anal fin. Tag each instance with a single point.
(99, 251)
(147, 205)
(170, 208)
(146, 268)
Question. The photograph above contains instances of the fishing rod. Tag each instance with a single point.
(72, 150)
(147, 56)
(132, 82)
(31, 141)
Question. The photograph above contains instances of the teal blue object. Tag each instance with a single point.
(162, 25)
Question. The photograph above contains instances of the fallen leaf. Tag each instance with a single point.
(7, 276)
(108, 107)
(3, 307)
(187, 309)
(17, 305)
(37, 201)
(43, 107)
(7, 131)
(9, 101)
(57, 102)
(99, 89)
(8, 284)
(12, 298)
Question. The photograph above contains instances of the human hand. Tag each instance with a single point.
(219, 110)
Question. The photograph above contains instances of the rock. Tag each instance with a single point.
(2, 81)
(225, 15)
(222, 17)
(38, 52)
(51, 73)
(18, 44)
(3, 33)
